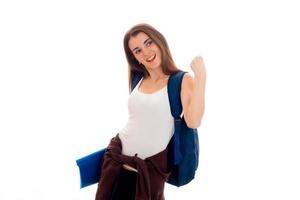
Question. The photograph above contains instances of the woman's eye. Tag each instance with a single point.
(137, 51)
(149, 43)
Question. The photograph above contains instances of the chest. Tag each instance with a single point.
(148, 87)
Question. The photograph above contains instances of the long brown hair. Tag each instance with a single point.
(168, 65)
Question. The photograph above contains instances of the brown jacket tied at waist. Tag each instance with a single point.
(152, 172)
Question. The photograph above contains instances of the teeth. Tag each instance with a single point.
(149, 59)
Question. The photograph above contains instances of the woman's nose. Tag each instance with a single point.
(145, 52)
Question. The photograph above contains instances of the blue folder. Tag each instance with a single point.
(90, 168)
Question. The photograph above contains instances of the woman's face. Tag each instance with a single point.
(145, 50)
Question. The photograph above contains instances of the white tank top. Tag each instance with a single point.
(150, 125)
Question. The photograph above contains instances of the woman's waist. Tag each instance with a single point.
(145, 146)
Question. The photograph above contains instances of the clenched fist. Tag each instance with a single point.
(198, 67)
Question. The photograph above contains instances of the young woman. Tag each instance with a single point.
(135, 165)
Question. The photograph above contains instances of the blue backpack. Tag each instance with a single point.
(183, 148)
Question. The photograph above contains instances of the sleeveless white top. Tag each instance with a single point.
(150, 125)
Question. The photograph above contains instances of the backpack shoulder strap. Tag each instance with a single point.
(136, 77)
(174, 90)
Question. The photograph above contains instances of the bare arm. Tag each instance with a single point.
(193, 94)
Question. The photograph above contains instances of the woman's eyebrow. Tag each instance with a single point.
(144, 43)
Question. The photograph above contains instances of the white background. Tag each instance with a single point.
(64, 89)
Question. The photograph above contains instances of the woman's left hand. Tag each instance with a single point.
(198, 67)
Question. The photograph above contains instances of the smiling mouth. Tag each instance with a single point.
(151, 58)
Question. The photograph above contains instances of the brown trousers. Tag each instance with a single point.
(152, 173)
